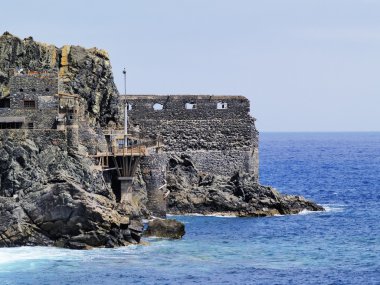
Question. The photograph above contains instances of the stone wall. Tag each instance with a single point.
(42, 84)
(220, 141)
(41, 119)
(153, 170)
(217, 132)
(42, 89)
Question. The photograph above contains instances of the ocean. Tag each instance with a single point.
(341, 171)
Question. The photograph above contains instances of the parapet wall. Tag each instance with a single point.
(174, 107)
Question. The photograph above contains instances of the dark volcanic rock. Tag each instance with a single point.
(240, 195)
(165, 229)
(50, 193)
(51, 198)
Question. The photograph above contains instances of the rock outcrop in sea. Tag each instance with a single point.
(239, 195)
(57, 186)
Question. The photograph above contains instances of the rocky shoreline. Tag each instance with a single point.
(52, 194)
(240, 195)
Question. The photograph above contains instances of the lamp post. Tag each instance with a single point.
(125, 81)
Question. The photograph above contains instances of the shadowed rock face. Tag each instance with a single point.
(241, 195)
(86, 72)
(48, 197)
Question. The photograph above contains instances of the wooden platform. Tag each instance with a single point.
(140, 150)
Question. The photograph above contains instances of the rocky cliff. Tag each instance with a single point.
(50, 193)
(49, 196)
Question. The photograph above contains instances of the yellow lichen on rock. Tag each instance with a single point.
(4, 91)
(64, 60)
(101, 53)
(53, 52)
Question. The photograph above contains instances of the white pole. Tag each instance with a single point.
(125, 119)
(125, 109)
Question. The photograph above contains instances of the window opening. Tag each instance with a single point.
(5, 103)
(10, 125)
(30, 104)
(190, 106)
(158, 106)
(30, 125)
(221, 105)
(120, 143)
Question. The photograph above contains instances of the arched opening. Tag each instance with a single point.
(33, 89)
(158, 107)
(221, 105)
(129, 106)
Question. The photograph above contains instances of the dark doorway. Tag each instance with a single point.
(5, 103)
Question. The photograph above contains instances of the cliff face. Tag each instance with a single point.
(50, 192)
(86, 72)
(49, 196)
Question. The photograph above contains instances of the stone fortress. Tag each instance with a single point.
(217, 132)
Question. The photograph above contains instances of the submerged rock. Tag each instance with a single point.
(165, 229)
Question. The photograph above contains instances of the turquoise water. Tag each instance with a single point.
(339, 246)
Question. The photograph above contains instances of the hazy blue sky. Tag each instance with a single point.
(306, 65)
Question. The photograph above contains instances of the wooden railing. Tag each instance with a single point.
(126, 151)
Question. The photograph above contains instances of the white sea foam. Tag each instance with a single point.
(328, 208)
(11, 255)
(334, 207)
(217, 215)
(307, 212)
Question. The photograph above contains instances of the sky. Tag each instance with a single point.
(305, 65)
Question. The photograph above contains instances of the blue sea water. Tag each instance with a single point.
(340, 246)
